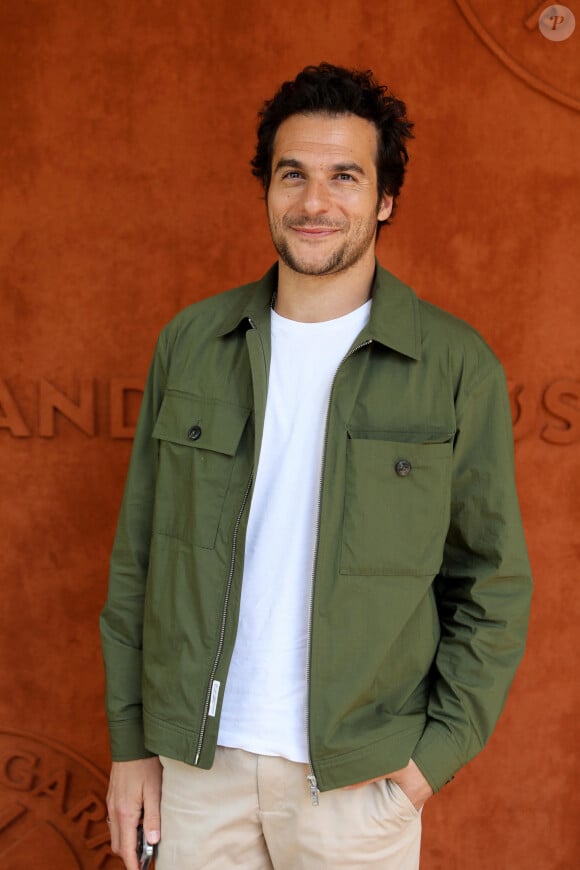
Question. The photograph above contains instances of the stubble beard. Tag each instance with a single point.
(345, 256)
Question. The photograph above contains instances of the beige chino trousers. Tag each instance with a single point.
(254, 812)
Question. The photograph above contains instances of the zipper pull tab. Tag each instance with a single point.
(313, 788)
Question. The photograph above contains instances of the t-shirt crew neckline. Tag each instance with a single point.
(281, 323)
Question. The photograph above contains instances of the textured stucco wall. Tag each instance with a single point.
(126, 130)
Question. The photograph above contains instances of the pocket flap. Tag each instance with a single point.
(194, 421)
(432, 435)
(396, 504)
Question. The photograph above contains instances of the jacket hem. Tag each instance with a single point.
(166, 738)
(373, 760)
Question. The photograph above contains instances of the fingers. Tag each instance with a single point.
(135, 786)
(128, 843)
(123, 822)
(151, 810)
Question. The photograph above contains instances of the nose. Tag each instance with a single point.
(315, 198)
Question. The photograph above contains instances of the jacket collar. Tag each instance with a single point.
(252, 302)
(394, 320)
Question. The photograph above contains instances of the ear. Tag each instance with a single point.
(385, 208)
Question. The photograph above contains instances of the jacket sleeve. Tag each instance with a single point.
(121, 620)
(483, 590)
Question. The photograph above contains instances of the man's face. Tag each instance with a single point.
(323, 198)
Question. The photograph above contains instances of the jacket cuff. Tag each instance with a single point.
(437, 756)
(128, 741)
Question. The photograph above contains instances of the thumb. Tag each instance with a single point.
(152, 823)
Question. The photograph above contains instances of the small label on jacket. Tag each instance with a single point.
(213, 701)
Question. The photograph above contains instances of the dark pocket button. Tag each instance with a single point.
(194, 433)
(403, 467)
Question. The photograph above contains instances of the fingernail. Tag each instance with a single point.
(153, 836)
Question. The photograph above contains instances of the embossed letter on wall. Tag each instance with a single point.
(52, 807)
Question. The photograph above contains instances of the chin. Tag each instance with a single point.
(326, 265)
(319, 269)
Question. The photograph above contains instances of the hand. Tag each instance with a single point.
(413, 783)
(134, 791)
(410, 779)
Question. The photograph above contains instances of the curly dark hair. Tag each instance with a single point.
(334, 90)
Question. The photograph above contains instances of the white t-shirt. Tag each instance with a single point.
(264, 705)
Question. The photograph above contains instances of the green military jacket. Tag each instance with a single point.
(421, 587)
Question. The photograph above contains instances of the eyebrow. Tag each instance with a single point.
(292, 163)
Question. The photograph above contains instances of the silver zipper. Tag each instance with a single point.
(224, 611)
(311, 777)
(313, 788)
(224, 620)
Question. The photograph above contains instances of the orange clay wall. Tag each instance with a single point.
(125, 133)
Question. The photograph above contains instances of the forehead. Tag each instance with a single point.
(326, 138)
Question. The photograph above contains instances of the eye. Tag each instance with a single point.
(292, 174)
(345, 176)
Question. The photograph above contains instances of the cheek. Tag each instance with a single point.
(278, 202)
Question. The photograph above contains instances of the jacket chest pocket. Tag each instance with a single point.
(397, 506)
(198, 440)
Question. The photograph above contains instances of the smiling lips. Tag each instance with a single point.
(313, 232)
(316, 232)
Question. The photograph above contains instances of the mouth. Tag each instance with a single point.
(314, 232)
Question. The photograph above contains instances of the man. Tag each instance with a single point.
(319, 586)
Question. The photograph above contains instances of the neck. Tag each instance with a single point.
(314, 298)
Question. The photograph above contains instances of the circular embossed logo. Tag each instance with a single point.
(557, 23)
(52, 807)
(535, 41)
